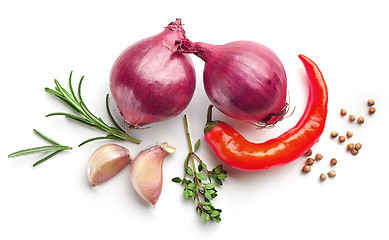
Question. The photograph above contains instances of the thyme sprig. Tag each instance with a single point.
(55, 148)
(198, 181)
(84, 115)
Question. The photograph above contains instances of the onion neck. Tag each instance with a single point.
(197, 48)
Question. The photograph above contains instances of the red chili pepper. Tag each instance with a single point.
(237, 152)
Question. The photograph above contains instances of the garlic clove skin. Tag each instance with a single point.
(106, 162)
(146, 172)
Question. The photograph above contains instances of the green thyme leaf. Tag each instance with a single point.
(208, 195)
(204, 217)
(200, 167)
(191, 186)
(203, 165)
(210, 186)
(186, 194)
(196, 146)
(176, 180)
(214, 213)
(218, 169)
(189, 171)
(218, 181)
(201, 176)
(221, 176)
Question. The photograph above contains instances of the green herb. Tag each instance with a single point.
(198, 182)
(85, 116)
(55, 148)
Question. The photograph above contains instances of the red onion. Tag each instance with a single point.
(244, 80)
(151, 84)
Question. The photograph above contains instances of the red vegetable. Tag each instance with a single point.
(150, 84)
(233, 149)
(244, 80)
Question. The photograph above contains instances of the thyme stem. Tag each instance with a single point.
(201, 193)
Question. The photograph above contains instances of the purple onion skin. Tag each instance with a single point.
(149, 83)
(245, 80)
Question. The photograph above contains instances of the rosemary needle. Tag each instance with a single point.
(55, 148)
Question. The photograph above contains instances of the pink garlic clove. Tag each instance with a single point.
(106, 162)
(146, 172)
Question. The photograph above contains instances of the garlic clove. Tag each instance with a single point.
(106, 162)
(146, 172)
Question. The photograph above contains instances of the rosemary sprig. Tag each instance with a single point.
(84, 115)
(55, 148)
(196, 188)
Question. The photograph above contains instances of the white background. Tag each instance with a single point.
(44, 40)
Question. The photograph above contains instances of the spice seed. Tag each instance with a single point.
(309, 161)
(358, 146)
(308, 153)
(343, 112)
(323, 177)
(360, 119)
(306, 169)
(334, 134)
(318, 157)
(371, 110)
(349, 134)
(342, 139)
(350, 146)
(331, 173)
(333, 162)
(354, 152)
(370, 102)
(351, 118)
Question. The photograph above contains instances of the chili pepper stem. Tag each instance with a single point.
(210, 123)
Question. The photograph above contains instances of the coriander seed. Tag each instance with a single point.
(306, 169)
(351, 118)
(371, 110)
(343, 112)
(308, 153)
(370, 102)
(323, 177)
(350, 146)
(358, 146)
(309, 161)
(349, 134)
(331, 173)
(318, 157)
(334, 134)
(360, 119)
(341, 139)
(354, 152)
(333, 162)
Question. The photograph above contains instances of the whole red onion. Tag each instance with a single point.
(245, 80)
(151, 84)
